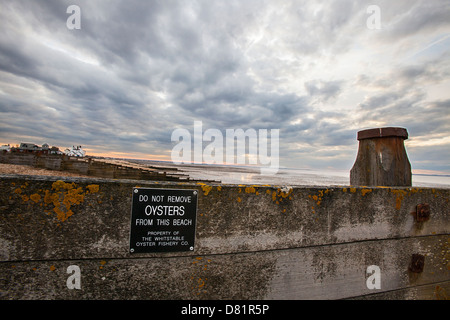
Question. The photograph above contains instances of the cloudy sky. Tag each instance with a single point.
(317, 70)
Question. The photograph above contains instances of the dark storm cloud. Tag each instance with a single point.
(136, 70)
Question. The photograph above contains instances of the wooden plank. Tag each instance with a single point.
(435, 291)
(322, 272)
(339, 271)
(46, 218)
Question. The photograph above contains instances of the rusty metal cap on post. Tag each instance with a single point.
(383, 133)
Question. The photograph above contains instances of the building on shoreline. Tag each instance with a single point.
(33, 148)
(45, 149)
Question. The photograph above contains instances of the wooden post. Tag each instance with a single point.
(382, 158)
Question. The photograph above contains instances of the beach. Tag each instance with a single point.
(233, 174)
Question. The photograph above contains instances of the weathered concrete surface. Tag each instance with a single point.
(251, 241)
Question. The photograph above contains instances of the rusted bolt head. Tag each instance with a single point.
(417, 263)
(422, 212)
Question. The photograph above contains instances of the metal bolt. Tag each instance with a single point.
(131, 250)
(422, 212)
(417, 263)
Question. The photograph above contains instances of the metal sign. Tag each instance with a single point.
(163, 220)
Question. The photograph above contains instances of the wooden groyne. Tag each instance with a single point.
(95, 167)
(100, 238)
(251, 242)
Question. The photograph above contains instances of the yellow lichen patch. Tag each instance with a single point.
(318, 198)
(197, 259)
(413, 190)
(219, 188)
(50, 197)
(281, 195)
(206, 189)
(365, 191)
(93, 188)
(58, 185)
(25, 198)
(62, 215)
(35, 197)
(352, 190)
(18, 191)
(250, 190)
(52, 268)
(200, 284)
(69, 198)
(199, 278)
(65, 196)
(399, 197)
(344, 190)
(239, 199)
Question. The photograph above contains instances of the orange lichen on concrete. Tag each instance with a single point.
(206, 189)
(365, 191)
(399, 197)
(35, 197)
(282, 194)
(198, 277)
(63, 196)
(250, 189)
(318, 198)
(58, 185)
(93, 188)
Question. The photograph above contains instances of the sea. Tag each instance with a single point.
(238, 174)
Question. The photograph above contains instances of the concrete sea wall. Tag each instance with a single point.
(252, 242)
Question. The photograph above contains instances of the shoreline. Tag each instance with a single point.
(231, 174)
